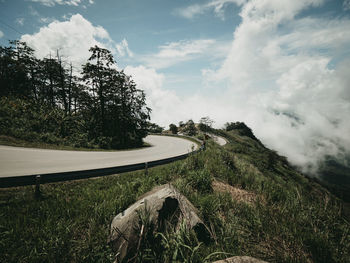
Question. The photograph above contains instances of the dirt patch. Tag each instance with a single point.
(235, 192)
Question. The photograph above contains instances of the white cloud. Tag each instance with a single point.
(67, 16)
(1, 34)
(284, 77)
(191, 11)
(346, 5)
(283, 83)
(162, 102)
(33, 11)
(167, 107)
(72, 38)
(176, 52)
(58, 2)
(47, 20)
(216, 5)
(123, 48)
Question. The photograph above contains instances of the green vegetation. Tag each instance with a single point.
(335, 176)
(287, 217)
(42, 101)
(154, 128)
(205, 124)
(189, 128)
(11, 141)
(173, 128)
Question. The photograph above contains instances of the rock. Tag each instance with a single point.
(244, 259)
(162, 204)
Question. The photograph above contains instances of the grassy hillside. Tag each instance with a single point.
(254, 203)
(336, 177)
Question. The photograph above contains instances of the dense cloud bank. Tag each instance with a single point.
(292, 73)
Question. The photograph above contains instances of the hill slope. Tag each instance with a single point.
(252, 200)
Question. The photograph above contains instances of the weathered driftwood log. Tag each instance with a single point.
(163, 205)
(243, 259)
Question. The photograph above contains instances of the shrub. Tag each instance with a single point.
(104, 142)
(49, 138)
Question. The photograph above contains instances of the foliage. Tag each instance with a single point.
(189, 128)
(42, 100)
(173, 128)
(205, 124)
(241, 128)
(154, 128)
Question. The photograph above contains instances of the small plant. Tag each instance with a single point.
(180, 245)
(201, 181)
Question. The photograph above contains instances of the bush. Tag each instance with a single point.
(49, 138)
(80, 140)
(104, 142)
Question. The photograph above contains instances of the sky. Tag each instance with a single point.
(280, 66)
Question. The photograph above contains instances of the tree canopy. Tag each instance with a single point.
(101, 108)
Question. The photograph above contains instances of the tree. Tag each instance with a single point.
(205, 124)
(190, 128)
(173, 128)
(16, 70)
(121, 109)
(154, 128)
(104, 107)
(97, 73)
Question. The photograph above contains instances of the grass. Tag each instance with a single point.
(12, 141)
(292, 219)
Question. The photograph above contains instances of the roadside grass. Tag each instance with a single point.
(16, 142)
(292, 218)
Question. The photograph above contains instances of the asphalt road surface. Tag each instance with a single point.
(219, 140)
(17, 161)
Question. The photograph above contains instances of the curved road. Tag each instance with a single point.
(219, 140)
(18, 161)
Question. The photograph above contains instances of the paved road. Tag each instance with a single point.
(219, 140)
(17, 161)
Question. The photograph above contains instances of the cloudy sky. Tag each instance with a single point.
(281, 66)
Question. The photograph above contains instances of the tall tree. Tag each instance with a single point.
(121, 107)
(97, 73)
(16, 70)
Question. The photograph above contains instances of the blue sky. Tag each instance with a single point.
(281, 66)
(146, 25)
